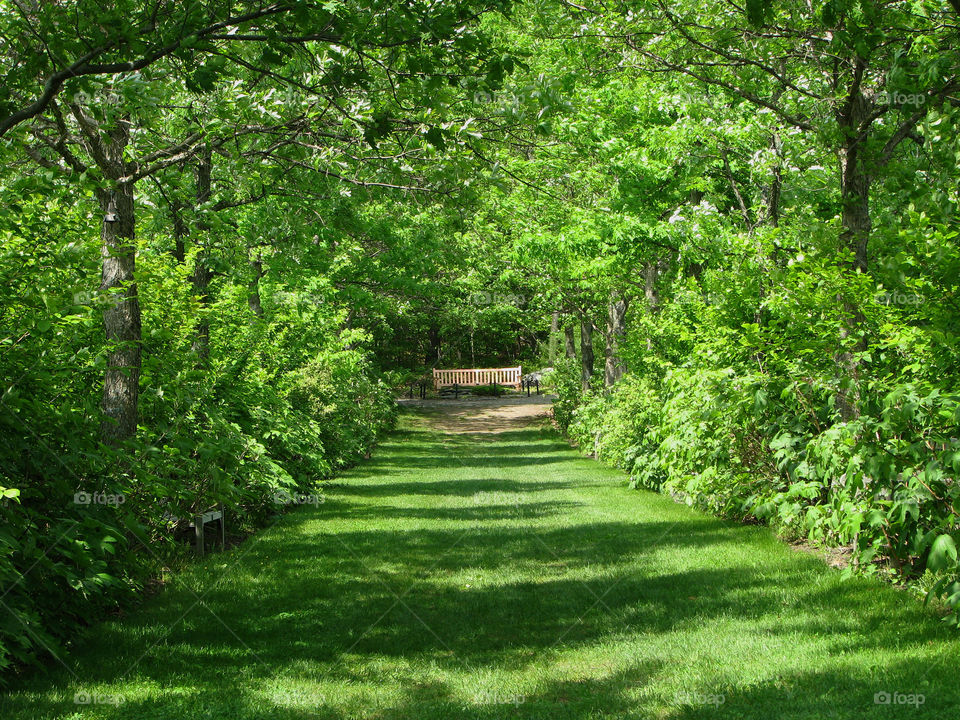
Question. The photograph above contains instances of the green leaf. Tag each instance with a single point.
(943, 554)
(435, 137)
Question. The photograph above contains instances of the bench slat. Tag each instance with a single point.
(477, 376)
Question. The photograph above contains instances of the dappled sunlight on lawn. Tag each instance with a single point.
(453, 578)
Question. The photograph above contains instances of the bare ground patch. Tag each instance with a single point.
(482, 415)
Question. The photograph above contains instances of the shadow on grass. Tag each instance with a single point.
(452, 488)
(412, 449)
(358, 592)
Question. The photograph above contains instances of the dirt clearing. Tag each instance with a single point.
(482, 415)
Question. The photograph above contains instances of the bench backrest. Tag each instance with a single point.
(477, 376)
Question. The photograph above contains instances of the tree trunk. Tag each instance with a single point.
(776, 184)
(586, 352)
(855, 183)
(201, 288)
(121, 309)
(433, 355)
(179, 235)
(121, 314)
(552, 347)
(616, 315)
(253, 298)
(202, 274)
(772, 218)
(855, 193)
(569, 341)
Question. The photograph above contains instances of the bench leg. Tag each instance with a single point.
(198, 529)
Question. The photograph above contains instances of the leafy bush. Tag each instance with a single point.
(83, 527)
(566, 381)
(749, 425)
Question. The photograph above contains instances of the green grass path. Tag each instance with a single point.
(502, 576)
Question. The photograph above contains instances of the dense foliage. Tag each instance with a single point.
(782, 225)
(282, 403)
(216, 219)
(233, 231)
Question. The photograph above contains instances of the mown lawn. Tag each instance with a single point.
(502, 576)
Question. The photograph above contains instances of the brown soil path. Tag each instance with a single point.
(483, 415)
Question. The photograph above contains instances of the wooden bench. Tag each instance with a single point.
(197, 522)
(508, 377)
(200, 520)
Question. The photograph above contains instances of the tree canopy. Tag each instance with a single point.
(233, 232)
